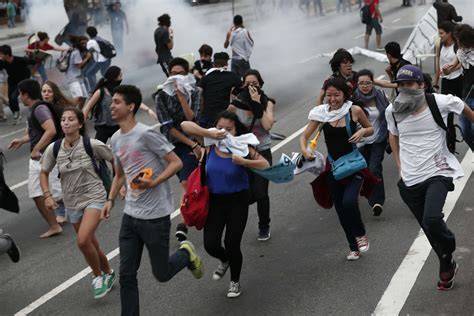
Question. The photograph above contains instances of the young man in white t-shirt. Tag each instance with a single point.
(99, 61)
(426, 166)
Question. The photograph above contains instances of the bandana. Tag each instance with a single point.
(407, 102)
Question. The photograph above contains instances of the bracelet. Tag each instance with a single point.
(196, 144)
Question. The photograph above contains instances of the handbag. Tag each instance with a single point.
(195, 205)
(350, 163)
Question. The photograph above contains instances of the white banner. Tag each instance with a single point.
(422, 39)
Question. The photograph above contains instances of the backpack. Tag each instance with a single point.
(106, 48)
(62, 63)
(450, 129)
(101, 168)
(365, 17)
(56, 111)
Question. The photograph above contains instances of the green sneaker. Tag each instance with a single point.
(100, 287)
(110, 280)
(195, 265)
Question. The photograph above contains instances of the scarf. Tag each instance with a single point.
(244, 101)
(466, 57)
(186, 84)
(322, 113)
(238, 145)
(407, 102)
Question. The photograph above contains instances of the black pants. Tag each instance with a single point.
(453, 86)
(229, 211)
(259, 193)
(13, 98)
(104, 132)
(239, 66)
(426, 200)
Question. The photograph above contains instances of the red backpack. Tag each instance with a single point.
(196, 199)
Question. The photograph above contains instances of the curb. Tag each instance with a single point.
(12, 36)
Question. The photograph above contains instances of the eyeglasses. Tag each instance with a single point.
(365, 84)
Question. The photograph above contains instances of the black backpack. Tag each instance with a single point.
(450, 129)
(106, 48)
(101, 169)
(365, 17)
(62, 63)
(56, 111)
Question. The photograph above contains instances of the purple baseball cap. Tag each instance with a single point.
(409, 73)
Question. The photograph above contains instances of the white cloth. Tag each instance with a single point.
(34, 187)
(446, 56)
(373, 116)
(186, 84)
(94, 48)
(241, 43)
(237, 145)
(322, 113)
(466, 57)
(423, 150)
(316, 166)
(221, 69)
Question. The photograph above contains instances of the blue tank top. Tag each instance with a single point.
(223, 176)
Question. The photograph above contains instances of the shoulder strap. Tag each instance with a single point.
(430, 99)
(56, 147)
(90, 152)
(348, 127)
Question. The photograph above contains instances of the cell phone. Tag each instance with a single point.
(137, 179)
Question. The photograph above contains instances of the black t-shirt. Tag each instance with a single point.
(395, 67)
(202, 66)
(217, 87)
(18, 70)
(162, 38)
(446, 12)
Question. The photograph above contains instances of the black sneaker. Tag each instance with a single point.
(263, 234)
(446, 281)
(377, 209)
(14, 252)
(181, 232)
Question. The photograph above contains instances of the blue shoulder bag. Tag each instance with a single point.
(348, 164)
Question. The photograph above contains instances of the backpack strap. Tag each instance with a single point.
(90, 152)
(430, 99)
(56, 147)
(348, 127)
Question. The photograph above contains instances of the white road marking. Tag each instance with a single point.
(12, 133)
(404, 279)
(114, 253)
(359, 36)
(396, 20)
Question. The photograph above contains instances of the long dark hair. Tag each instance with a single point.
(111, 74)
(80, 118)
(231, 116)
(58, 96)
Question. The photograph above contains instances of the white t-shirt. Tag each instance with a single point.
(423, 150)
(446, 56)
(94, 48)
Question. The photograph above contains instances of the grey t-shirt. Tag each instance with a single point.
(80, 184)
(140, 148)
(73, 72)
(42, 114)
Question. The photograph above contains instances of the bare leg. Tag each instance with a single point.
(104, 262)
(378, 39)
(366, 41)
(54, 228)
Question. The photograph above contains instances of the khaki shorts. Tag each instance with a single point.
(34, 187)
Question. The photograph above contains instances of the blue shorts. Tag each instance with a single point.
(185, 153)
(374, 24)
(75, 216)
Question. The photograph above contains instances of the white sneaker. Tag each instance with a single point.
(353, 256)
(220, 271)
(234, 289)
(100, 287)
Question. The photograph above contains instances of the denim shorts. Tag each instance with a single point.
(75, 216)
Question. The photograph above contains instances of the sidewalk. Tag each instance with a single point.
(18, 31)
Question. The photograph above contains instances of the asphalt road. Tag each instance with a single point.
(302, 269)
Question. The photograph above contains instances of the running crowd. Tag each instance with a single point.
(219, 121)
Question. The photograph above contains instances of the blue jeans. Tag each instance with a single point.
(90, 73)
(155, 235)
(42, 71)
(467, 127)
(374, 154)
(239, 66)
(117, 38)
(345, 195)
(11, 21)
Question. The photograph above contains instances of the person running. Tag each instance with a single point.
(202, 66)
(217, 86)
(101, 101)
(341, 66)
(42, 44)
(452, 81)
(148, 204)
(426, 166)
(255, 110)
(11, 13)
(118, 25)
(465, 57)
(373, 147)
(375, 20)
(41, 131)
(228, 185)
(164, 42)
(345, 192)
(83, 192)
(17, 70)
(51, 93)
(446, 12)
(239, 39)
(74, 73)
(396, 61)
(180, 102)
(98, 61)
